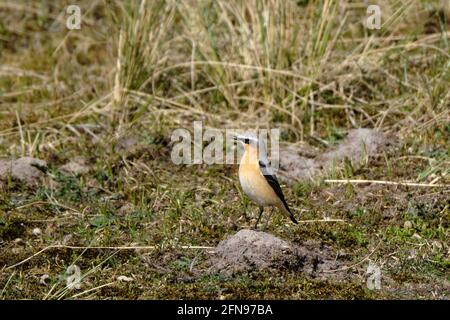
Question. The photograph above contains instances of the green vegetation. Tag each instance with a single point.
(112, 92)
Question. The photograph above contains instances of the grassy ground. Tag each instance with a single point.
(136, 72)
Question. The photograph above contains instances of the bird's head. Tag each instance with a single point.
(251, 143)
(246, 139)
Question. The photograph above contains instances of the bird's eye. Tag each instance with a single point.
(246, 140)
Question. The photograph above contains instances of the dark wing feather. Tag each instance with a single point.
(273, 182)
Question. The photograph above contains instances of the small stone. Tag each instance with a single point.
(19, 241)
(124, 278)
(73, 280)
(37, 231)
(44, 279)
(67, 239)
(407, 225)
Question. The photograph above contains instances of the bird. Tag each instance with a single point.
(257, 179)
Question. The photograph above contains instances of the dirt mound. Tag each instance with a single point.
(77, 166)
(250, 250)
(357, 147)
(26, 170)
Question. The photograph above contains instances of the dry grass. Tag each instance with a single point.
(141, 69)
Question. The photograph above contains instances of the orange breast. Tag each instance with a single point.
(253, 182)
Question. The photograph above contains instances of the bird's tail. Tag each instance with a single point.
(284, 208)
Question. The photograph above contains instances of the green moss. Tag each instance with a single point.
(61, 86)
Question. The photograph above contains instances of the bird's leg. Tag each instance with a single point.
(261, 210)
(268, 218)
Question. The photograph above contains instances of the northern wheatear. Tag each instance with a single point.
(257, 179)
